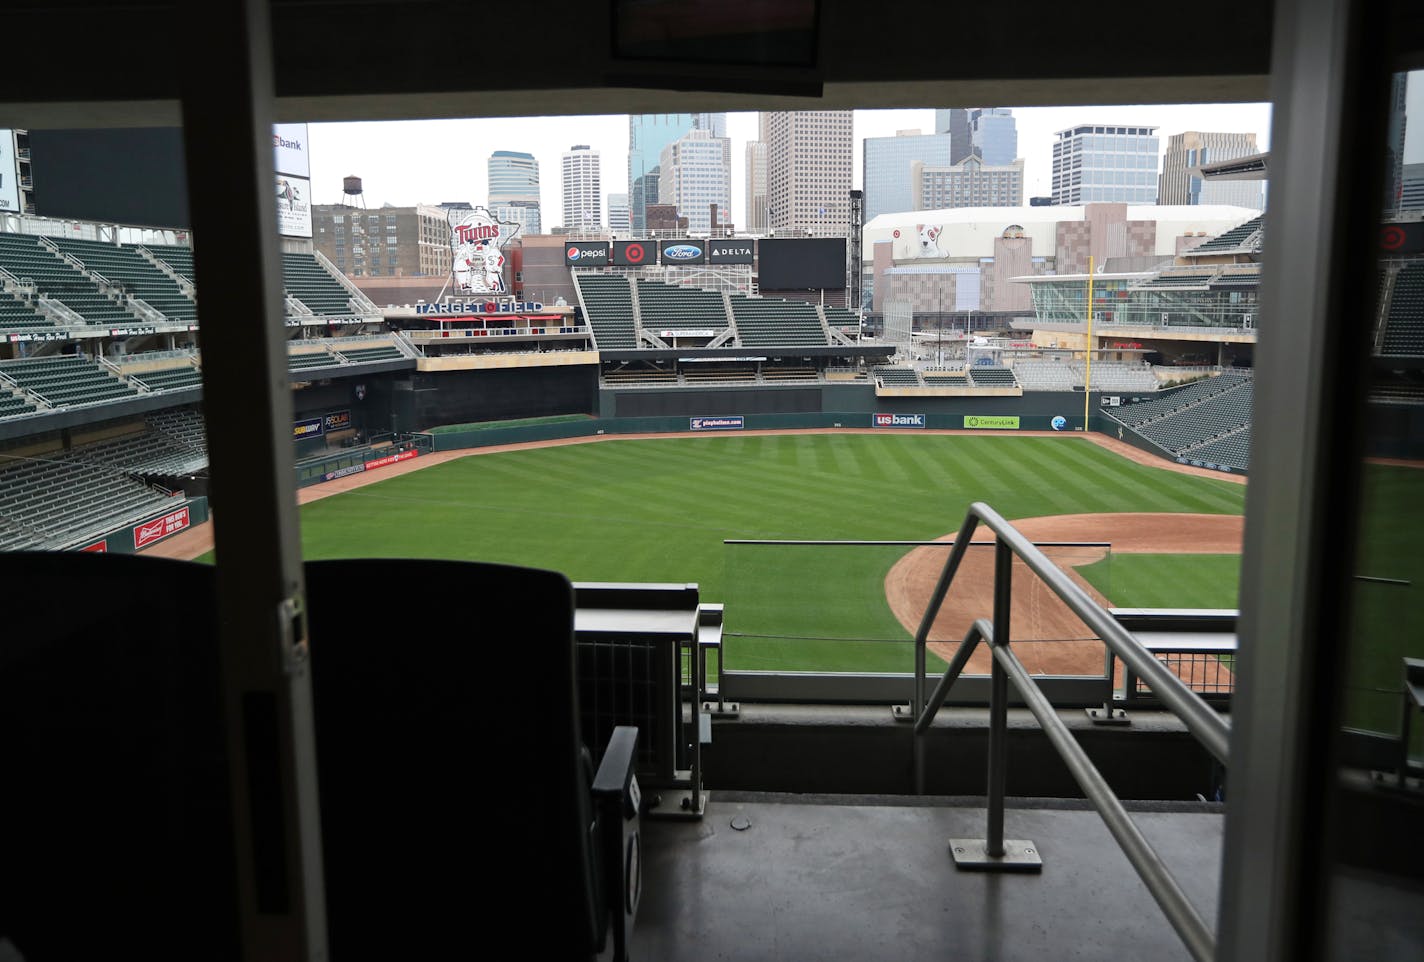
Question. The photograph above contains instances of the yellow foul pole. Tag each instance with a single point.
(1088, 345)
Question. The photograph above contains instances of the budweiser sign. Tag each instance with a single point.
(159, 528)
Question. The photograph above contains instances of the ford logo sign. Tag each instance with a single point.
(682, 252)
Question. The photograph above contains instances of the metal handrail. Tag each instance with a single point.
(1205, 724)
(1160, 882)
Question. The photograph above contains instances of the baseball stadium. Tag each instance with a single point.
(798, 607)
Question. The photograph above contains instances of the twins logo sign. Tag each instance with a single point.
(478, 241)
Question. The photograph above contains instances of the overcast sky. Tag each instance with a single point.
(430, 161)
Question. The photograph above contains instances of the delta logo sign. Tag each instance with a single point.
(478, 241)
(899, 420)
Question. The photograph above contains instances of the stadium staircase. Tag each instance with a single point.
(1206, 422)
(64, 290)
(135, 274)
(608, 305)
(1404, 323)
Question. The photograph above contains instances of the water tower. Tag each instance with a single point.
(351, 188)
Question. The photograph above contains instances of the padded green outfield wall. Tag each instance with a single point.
(973, 419)
(185, 513)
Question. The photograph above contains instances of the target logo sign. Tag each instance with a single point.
(631, 253)
(1393, 237)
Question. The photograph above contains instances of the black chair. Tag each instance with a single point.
(115, 838)
(449, 763)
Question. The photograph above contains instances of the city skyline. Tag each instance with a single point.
(374, 151)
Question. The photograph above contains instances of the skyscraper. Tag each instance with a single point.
(972, 183)
(694, 175)
(514, 189)
(889, 186)
(994, 134)
(583, 188)
(1178, 185)
(1095, 163)
(714, 123)
(648, 134)
(955, 122)
(756, 186)
(618, 214)
(808, 170)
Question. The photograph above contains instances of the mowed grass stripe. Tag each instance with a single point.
(659, 509)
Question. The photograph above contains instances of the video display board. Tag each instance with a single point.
(812, 263)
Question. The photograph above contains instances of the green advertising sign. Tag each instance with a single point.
(996, 422)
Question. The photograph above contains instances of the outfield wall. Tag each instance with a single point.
(185, 513)
(728, 424)
(835, 399)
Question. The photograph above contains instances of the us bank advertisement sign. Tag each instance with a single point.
(9, 172)
(289, 150)
(293, 206)
(478, 242)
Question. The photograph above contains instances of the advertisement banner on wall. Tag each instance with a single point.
(391, 459)
(337, 421)
(734, 251)
(293, 206)
(307, 428)
(581, 254)
(733, 423)
(289, 150)
(160, 528)
(685, 251)
(9, 173)
(991, 422)
(899, 421)
(634, 253)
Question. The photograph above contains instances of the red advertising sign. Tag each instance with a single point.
(160, 528)
(98, 547)
(391, 459)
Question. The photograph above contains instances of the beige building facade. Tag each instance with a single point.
(384, 242)
(809, 160)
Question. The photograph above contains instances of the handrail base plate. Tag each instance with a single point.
(1020, 855)
(1106, 716)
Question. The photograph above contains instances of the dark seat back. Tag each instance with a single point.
(115, 838)
(454, 788)
(454, 798)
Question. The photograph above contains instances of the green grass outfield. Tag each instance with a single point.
(1167, 580)
(659, 509)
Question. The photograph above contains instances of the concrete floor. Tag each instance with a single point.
(832, 878)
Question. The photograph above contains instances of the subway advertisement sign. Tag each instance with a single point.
(734, 251)
(580, 254)
(635, 253)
